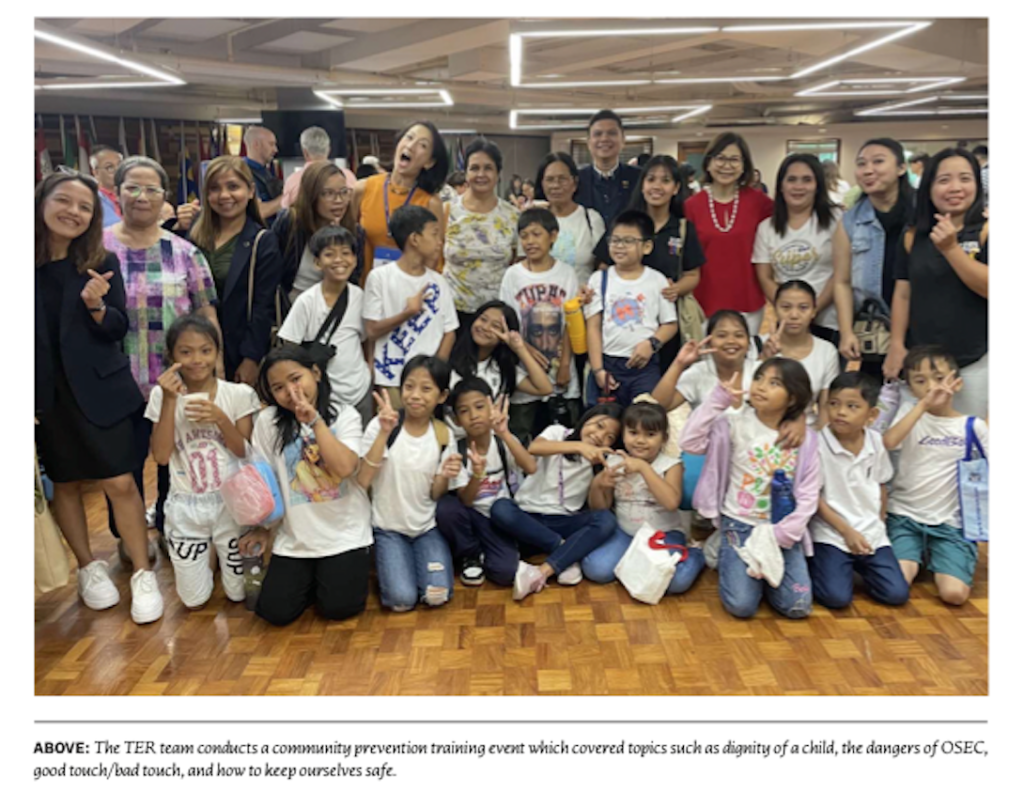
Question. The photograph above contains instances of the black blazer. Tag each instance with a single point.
(291, 255)
(245, 338)
(97, 371)
(626, 179)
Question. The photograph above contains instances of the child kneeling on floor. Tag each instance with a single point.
(925, 523)
(407, 457)
(645, 486)
(849, 529)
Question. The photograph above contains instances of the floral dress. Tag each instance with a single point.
(478, 248)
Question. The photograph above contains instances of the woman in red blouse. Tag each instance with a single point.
(726, 216)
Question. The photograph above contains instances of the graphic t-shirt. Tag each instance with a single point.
(201, 460)
(578, 236)
(633, 309)
(538, 298)
(493, 487)
(635, 504)
(755, 456)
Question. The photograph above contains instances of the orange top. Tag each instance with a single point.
(372, 214)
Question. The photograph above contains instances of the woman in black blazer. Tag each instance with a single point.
(227, 229)
(85, 392)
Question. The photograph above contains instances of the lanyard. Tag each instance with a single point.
(387, 203)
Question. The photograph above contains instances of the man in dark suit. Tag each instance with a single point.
(607, 184)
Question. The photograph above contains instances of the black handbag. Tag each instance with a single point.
(320, 349)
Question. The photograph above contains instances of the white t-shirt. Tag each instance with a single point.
(559, 486)
(697, 381)
(489, 371)
(348, 374)
(822, 366)
(201, 461)
(635, 504)
(401, 490)
(493, 487)
(851, 485)
(387, 290)
(538, 298)
(635, 309)
(926, 487)
(804, 254)
(577, 240)
(754, 457)
(323, 516)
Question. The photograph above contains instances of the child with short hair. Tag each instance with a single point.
(537, 288)
(849, 528)
(331, 312)
(925, 524)
(628, 319)
(409, 308)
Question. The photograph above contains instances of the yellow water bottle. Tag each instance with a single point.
(577, 325)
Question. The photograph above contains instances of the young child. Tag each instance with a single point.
(924, 506)
(646, 486)
(742, 454)
(849, 529)
(197, 438)
(313, 317)
(493, 461)
(321, 548)
(628, 319)
(537, 289)
(409, 472)
(796, 306)
(548, 512)
(409, 308)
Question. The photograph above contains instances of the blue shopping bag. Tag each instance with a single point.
(973, 482)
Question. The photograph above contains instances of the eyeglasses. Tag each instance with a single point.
(722, 160)
(135, 191)
(335, 195)
(625, 241)
(564, 179)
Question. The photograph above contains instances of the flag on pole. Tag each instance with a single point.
(187, 189)
(68, 147)
(204, 143)
(122, 138)
(156, 141)
(44, 165)
(83, 148)
(92, 131)
(142, 138)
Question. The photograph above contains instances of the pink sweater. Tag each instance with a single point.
(707, 433)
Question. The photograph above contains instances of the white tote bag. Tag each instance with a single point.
(647, 567)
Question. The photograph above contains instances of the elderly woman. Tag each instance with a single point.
(165, 276)
(227, 232)
(85, 395)
(480, 240)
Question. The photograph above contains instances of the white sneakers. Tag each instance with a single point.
(95, 587)
(147, 602)
(571, 575)
(529, 579)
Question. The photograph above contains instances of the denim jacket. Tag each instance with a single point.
(867, 253)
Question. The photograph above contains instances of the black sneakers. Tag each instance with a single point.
(472, 573)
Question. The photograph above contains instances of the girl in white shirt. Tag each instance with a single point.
(321, 549)
(645, 486)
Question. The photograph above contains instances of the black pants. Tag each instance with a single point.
(470, 533)
(337, 585)
(142, 431)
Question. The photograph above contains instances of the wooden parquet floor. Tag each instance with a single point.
(584, 640)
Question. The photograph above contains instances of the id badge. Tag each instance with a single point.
(385, 255)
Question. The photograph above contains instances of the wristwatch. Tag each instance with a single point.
(655, 343)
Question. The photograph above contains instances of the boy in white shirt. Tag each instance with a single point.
(924, 506)
(849, 529)
(409, 308)
(628, 319)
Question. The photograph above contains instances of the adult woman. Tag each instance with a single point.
(579, 228)
(941, 271)
(165, 276)
(757, 183)
(515, 190)
(480, 240)
(659, 194)
(324, 198)
(420, 167)
(864, 248)
(85, 395)
(726, 215)
(226, 232)
(529, 194)
(796, 242)
(838, 188)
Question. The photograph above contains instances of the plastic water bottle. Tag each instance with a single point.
(783, 501)
(253, 571)
(888, 403)
(576, 324)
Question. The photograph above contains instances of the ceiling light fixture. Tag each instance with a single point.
(814, 26)
(720, 79)
(900, 105)
(164, 79)
(100, 85)
(688, 111)
(965, 97)
(875, 43)
(925, 85)
(335, 98)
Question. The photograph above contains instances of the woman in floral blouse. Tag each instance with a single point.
(480, 241)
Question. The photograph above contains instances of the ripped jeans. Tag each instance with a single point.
(741, 594)
(413, 569)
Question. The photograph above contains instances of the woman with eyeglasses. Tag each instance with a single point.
(726, 215)
(227, 231)
(165, 276)
(325, 198)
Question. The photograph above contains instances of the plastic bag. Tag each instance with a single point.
(252, 496)
(972, 476)
(647, 566)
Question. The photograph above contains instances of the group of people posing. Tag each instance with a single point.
(463, 385)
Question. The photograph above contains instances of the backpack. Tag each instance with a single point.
(440, 432)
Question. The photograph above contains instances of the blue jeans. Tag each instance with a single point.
(411, 569)
(582, 532)
(741, 594)
(599, 566)
(832, 576)
(472, 534)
